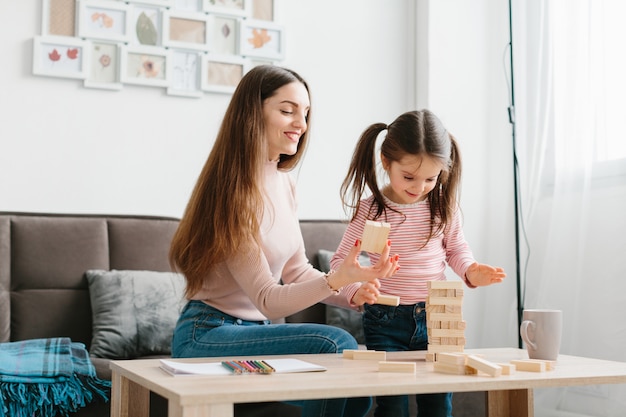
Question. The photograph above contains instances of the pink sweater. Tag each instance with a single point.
(248, 285)
(407, 235)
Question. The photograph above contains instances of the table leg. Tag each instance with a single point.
(510, 403)
(128, 399)
(204, 410)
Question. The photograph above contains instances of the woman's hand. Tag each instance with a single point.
(351, 271)
(480, 275)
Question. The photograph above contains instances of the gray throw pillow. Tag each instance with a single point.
(134, 312)
(343, 318)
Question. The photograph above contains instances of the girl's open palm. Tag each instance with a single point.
(481, 275)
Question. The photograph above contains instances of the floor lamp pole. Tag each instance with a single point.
(520, 306)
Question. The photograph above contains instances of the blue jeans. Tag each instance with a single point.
(402, 328)
(204, 331)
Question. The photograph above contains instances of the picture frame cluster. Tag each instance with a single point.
(188, 47)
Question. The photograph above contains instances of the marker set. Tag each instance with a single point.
(248, 367)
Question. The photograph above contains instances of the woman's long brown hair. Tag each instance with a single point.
(223, 214)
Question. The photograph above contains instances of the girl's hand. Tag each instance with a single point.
(480, 275)
(368, 293)
(351, 271)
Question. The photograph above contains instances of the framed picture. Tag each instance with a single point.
(162, 3)
(224, 34)
(221, 74)
(144, 65)
(146, 24)
(263, 10)
(104, 66)
(104, 20)
(58, 17)
(230, 7)
(185, 73)
(262, 40)
(188, 5)
(185, 30)
(60, 56)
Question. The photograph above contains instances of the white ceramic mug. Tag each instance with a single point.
(541, 331)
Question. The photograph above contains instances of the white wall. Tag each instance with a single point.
(65, 148)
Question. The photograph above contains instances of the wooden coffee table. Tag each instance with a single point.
(215, 396)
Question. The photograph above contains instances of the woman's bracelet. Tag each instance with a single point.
(328, 274)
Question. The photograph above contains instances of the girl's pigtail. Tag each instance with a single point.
(362, 171)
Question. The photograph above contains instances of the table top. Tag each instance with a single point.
(354, 378)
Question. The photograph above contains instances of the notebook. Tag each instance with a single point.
(283, 365)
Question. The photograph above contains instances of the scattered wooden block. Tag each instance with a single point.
(389, 366)
(529, 365)
(550, 365)
(375, 236)
(452, 358)
(367, 355)
(448, 368)
(483, 365)
(507, 368)
(348, 353)
(388, 300)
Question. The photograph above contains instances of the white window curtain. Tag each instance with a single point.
(574, 215)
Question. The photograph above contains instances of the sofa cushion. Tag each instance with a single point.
(133, 312)
(348, 320)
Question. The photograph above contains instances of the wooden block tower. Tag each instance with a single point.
(444, 318)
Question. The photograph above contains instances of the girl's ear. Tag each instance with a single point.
(385, 162)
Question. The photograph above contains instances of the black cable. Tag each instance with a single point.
(511, 111)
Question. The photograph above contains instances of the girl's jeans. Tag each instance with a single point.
(402, 328)
(204, 331)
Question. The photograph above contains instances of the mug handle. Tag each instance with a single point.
(523, 330)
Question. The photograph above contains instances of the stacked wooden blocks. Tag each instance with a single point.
(444, 318)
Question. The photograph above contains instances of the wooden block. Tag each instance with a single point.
(444, 316)
(432, 348)
(461, 341)
(431, 357)
(375, 236)
(452, 358)
(349, 353)
(452, 309)
(446, 333)
(447, 368)
(529, 365)
(388, 300)
(457, 285)
(437, 293)
(435, 309)
(483, 365)
(550, 365)
(369, 355)
(507, 368)
(444, 301)
(433, 324)
(388, 366)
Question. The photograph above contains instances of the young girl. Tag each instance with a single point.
(420, 201)
(239, 243)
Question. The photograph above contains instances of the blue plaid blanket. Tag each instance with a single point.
(47, 378)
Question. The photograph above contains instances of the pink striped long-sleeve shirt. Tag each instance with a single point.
(418, 264)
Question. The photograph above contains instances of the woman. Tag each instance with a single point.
(239, 243)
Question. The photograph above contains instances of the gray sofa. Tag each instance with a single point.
(44, 292)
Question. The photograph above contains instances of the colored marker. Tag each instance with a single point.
(231, 368)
